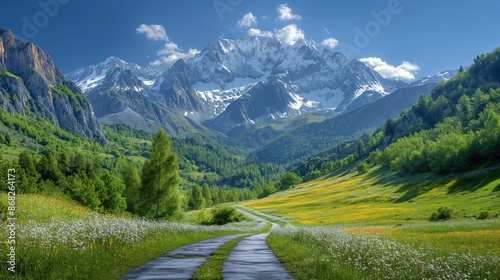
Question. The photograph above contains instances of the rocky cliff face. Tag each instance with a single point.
(30, 81)
(2, 54)
(125, 93)
(120, 99)
(178, 92)
(267, 101)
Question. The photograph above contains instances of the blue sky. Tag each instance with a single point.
(397, 37)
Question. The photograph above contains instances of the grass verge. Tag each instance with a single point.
(212, 268)
(91, 255)
(332, 253)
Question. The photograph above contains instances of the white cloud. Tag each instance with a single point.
(169, 48)
(290, 34)
(253, 32)
(405, 71)
(167, 60)
(170, 52)
(247, 20)
(285, 13)
(154, 32)
(330, 42)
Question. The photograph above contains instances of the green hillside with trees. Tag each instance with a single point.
(454, 129)
(106, 177)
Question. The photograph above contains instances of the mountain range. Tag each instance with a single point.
(247, 84)
(232, 83)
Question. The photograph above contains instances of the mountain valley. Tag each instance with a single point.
(307, 157)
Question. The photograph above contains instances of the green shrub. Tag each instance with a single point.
(203, 217)
(363, 168)
(484, 215)
(443, 213)
(3, 211)
(225, 215)
(218, 216)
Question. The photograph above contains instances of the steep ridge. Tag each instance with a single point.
(31, 84)
(265, 102)
(178, 93)
(122, 93)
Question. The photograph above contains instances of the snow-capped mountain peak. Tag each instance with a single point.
(436, 78)
(93, 76)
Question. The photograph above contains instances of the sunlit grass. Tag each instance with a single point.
(332, 253)
(381, 198)
(98, 248)
(42, 208)
(467, 236)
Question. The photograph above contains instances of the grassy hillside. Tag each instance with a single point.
(427, 206)
(380, 197)
(39, 208)
(51, 160)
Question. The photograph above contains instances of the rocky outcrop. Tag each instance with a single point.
(30, 81)
(2, 54)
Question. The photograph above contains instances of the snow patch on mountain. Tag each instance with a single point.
(218, 100)
(300, 104)
(90, 82)
(326, 98)
(377, 87)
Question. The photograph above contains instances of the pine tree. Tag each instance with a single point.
(197, 201)
(29, 180)
(221, 196)
(160, 181)
(215, 197)
(48, 167)
(132, 188)
(113, 201)
(207, 195)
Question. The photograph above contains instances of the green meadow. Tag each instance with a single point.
(377, 225)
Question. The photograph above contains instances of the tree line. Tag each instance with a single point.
(109, 182)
